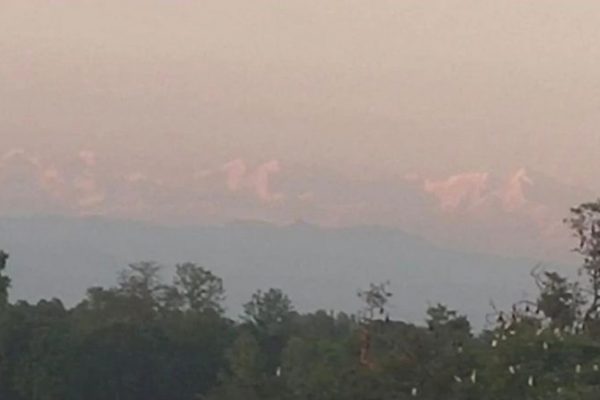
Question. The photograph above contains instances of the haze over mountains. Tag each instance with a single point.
(318, 267)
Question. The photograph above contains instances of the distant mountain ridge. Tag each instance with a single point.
(319, 267)
(517, 211)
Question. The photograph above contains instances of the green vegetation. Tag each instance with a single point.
(147, 340)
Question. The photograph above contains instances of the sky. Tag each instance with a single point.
(339, 112)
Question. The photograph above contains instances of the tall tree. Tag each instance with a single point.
(375, 299)
(200, 290)
(270, 314)
(559, 300)
(585, 223)
(141, 280)
(4, 280)
(268, 309)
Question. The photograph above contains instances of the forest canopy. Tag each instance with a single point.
(146, 339)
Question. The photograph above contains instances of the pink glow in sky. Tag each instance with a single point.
(280, 110)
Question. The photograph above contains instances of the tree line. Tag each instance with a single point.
(145, 339)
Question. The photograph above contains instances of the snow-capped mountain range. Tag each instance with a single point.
(518, 213)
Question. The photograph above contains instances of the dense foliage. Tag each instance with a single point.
(147, 340)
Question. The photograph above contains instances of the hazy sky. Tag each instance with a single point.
(403, 86)
(338, 88)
